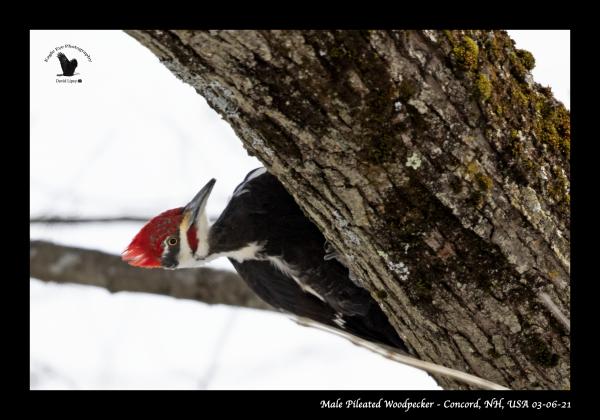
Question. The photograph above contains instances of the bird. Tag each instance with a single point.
(68, 66)
(275, 248)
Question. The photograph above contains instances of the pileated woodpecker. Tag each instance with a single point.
(274, 247)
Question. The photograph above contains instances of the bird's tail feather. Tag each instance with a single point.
(378, 330)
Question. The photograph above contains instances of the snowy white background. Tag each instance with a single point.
(134, 140)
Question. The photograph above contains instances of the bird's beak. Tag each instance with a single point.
(196, 207)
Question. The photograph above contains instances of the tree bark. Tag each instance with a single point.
(431, 161)
(62, 264)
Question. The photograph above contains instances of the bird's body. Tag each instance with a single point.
(288, 268)
(280, 254)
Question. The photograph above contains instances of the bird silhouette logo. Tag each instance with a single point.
(68, 66)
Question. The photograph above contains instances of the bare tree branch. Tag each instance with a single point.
(107, 219)
(74, 219)
(62, 264)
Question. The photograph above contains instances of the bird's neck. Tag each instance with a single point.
(202, 233)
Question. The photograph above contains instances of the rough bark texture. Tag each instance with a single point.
(63, 264)
(430, 160)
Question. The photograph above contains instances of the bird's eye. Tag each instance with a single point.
(172, 241)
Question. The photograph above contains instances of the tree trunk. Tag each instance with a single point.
(431, 161)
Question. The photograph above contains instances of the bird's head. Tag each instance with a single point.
(176, 238)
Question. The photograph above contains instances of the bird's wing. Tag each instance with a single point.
(263, 211)
(281, 291)
(331, 280)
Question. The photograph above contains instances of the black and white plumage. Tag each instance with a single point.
(274, 247)
(68, 66)
(281, 255)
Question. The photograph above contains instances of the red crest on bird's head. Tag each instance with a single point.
(145, 250)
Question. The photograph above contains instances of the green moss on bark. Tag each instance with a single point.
(526, 58)
(553, 126)
(484, 87)
(466, 54)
